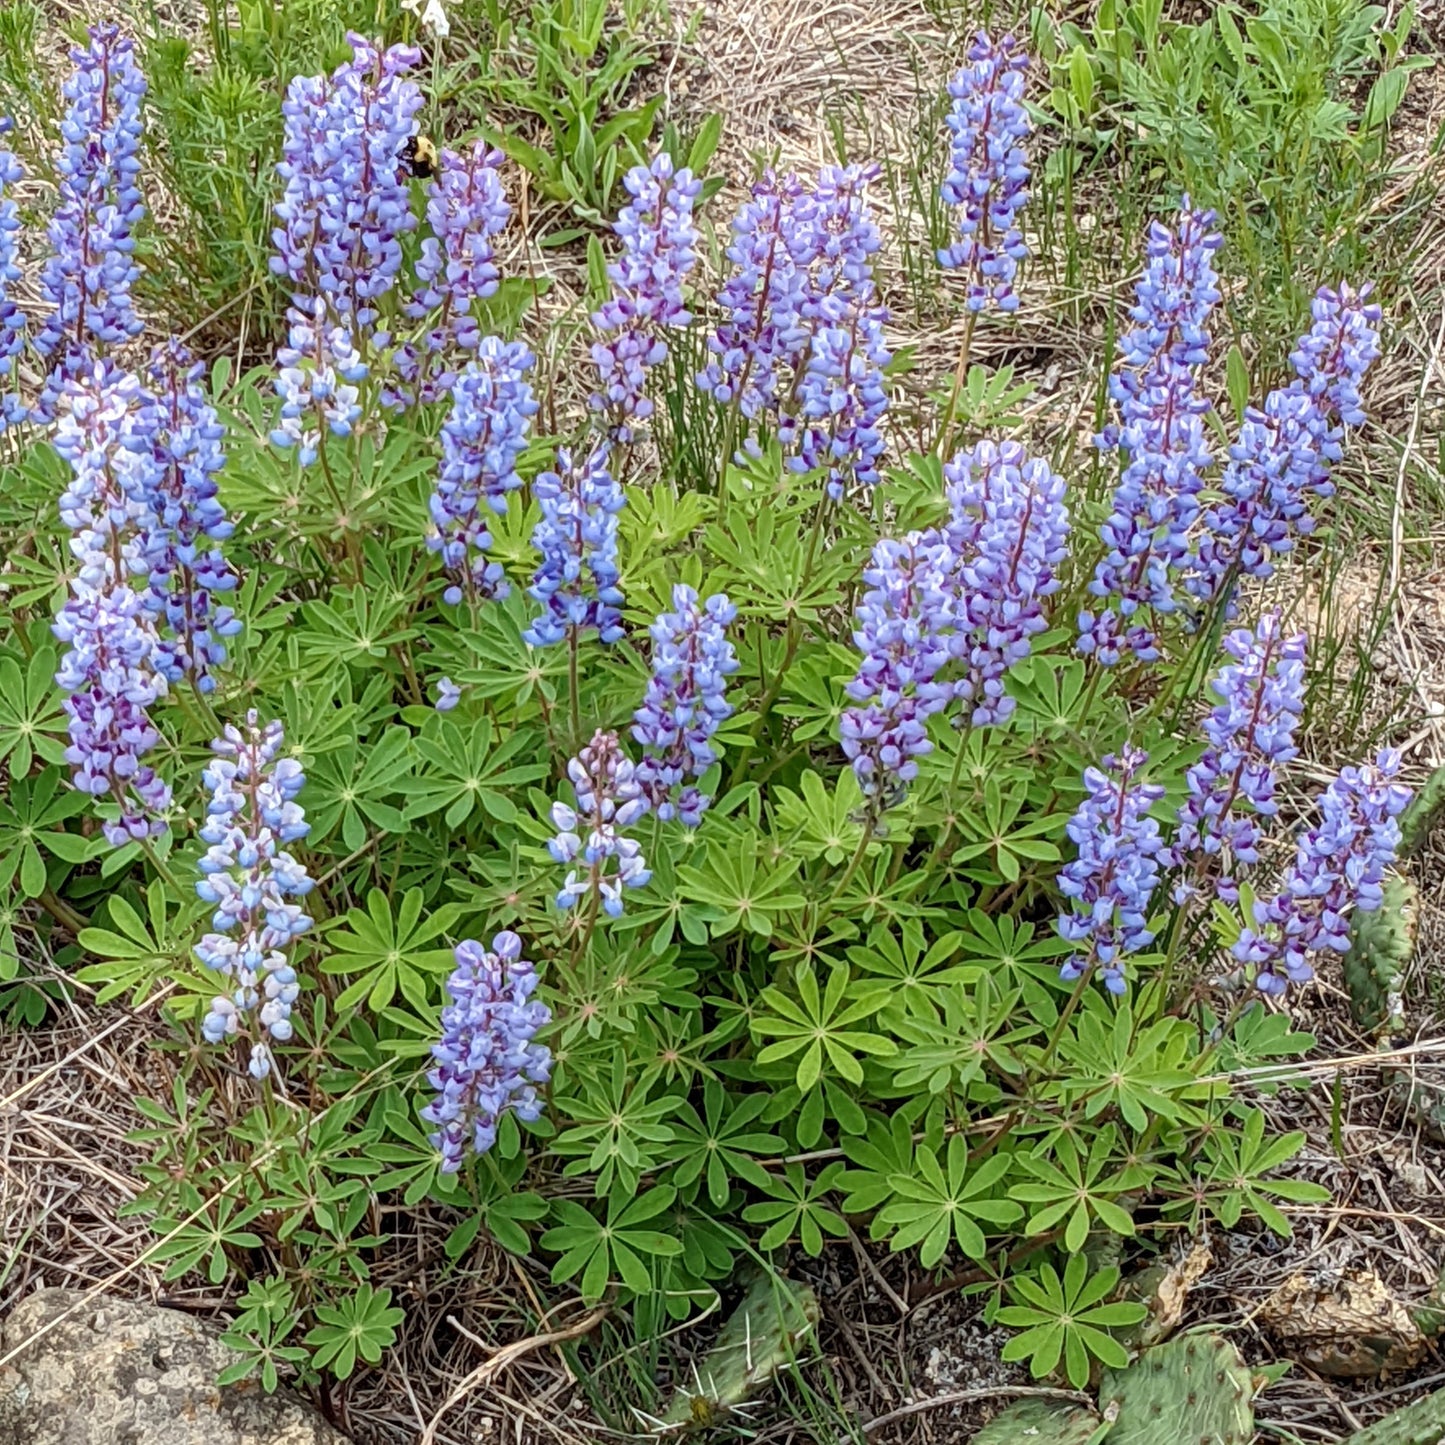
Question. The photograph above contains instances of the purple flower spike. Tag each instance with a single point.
(801, 343)
(609, 798)
(659, 248)
(86, 281)
(1339, 867)
(988, 175)
(902, 626)
(316, 381)
(1161, 433)
(466, 208)
(577, 533)
(187, 572)
(109, 672)
(1117, 869)
(1007, 538)
(250, 879)
(105, 428)
(347, 203)
(483, 438)
(487, 1059)
(685, 703)
(1284, 452)
(13, 321)
(762, 337)
(1251, 733)
(841, 402)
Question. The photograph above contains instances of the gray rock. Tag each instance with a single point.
(110, 1372)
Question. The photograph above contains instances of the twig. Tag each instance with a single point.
(505, 1356)
(966, 1397)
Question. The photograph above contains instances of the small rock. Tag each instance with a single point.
(107, 1370)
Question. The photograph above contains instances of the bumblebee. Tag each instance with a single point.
(420, 157)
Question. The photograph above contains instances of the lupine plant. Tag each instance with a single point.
(868, 836)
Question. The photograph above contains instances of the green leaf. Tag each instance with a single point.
(386, 955)
(1237, 382)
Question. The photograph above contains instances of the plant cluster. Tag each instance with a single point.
(842, 825)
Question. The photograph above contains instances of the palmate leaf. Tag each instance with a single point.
(1076, 1189)
(1068, 1318)
(620, 1132)
(717, 1144)
(818, 1026)
(764, 562)
(822, 823)
(798, 1210)
(734, 888)
(32, 820)
(942, 1200)
(468, 771)
(389, 955)
(618, 1246)
(339, 791)
(361, 1326)
(31, 719)
(494, 662)
(353, 626)
(137, 953)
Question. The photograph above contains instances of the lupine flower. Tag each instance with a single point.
(1173, 300)
(316, 379)
(86, 280)
(685, 702)
(448, 694)
(346, 202)
(185, 571)
(761, 338)
(109, 671)
(487, 1059)
(841, 402)
(1113, 878)
(251, 880)
(466, 207)
(659, 248)
(1007, 537)
(988, 174)
(483, 437)
(901, 629)
(1333, 356)
(13, 322)
(1282, 457)
(1251, 733)
(577, 535)
(801, 342)
(1161, 432)
(1339, 867)
(840, 396)
(105, 428)
(609, 798)
(835, 241)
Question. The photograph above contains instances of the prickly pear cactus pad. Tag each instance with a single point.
(1422, 1423)
(1381, 946)
(760, 1337)
(1195, 1390)
(1039, 1422)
